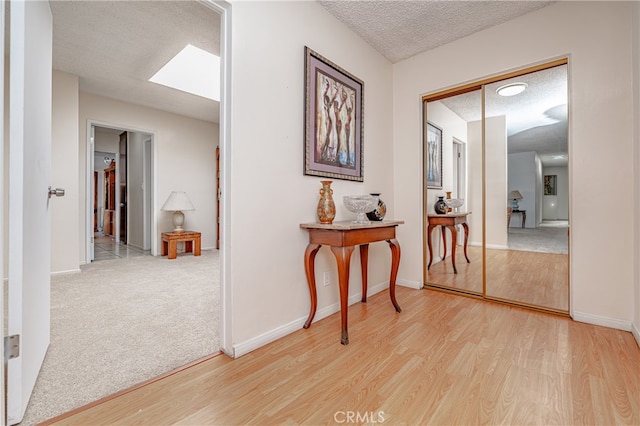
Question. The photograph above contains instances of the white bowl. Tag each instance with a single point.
(361, 205)
(454, 202)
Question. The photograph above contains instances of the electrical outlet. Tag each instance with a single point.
(326, 278)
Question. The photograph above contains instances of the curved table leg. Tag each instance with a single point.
(429, 230)
(466, 240)
(444, 241)
(309, 269)
(343, 258)
(364, 262)
(395, 263)
(454, 240)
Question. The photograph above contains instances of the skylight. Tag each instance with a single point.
(194, 71)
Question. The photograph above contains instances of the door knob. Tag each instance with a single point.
(58, 192)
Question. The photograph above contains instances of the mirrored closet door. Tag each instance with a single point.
(500, 147)
(453, 174)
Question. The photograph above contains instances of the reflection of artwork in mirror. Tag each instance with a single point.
(550, 184)
(434, 156)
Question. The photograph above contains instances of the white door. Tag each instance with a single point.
(28, 311)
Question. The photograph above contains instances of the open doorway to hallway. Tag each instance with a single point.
(122, 193)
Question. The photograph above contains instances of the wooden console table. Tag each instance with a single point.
(170, 243)
(449, 220)
(342, 237)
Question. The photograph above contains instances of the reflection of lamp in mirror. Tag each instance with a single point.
(177, 203)
(515, 196)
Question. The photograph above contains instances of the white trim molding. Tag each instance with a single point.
(603, 321)
(254, 343)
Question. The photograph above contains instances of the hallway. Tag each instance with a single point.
(106, 248)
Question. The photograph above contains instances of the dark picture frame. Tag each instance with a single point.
(334, 120)
(550, 185)
(433, 150)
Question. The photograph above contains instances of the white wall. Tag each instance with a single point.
(496, 191)
(523, 177)
(452, 127)
(184, 160)
(562, 193)
(64, 172)
(600, 91)
(270, 195)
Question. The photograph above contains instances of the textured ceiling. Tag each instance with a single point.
(536, 118)
(115, 46)
(401, 29)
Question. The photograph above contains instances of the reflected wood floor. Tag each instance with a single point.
(444, 360)
(469, 276)
(531, 277)
(535, 278)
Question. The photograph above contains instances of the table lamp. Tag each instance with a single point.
(177, 203)
(514, 196)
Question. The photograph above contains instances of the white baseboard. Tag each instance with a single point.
(254, 343)
(603, 321)
(636, 333)
(497, 247)
(70, 271)
(411, 284)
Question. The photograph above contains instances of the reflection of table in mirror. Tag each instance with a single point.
(451, 221)
(342, 237)
(521, 212)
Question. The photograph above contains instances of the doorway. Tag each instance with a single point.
(121, 163)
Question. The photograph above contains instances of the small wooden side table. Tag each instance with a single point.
(449, 220)
(170, 243)
(524, 217)
(342, 237)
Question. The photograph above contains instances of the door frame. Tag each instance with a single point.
(3, 410)
(89, 186)
(226, 302)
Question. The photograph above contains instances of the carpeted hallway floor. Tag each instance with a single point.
(548, 237)
(121, 322)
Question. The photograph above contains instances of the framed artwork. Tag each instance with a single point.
(433, 148)
(333, 127)
(550, 187)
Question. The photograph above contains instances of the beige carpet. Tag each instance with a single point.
(122, 322)
(545, 239)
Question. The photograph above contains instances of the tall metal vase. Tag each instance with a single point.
(326, 206)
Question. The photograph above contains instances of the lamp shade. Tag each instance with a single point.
(177, 201)
(515, 195)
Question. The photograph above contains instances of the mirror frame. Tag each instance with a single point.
(459, 90)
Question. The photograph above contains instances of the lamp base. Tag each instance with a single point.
(514, 205)
(178, 221)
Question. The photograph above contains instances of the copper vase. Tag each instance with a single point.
(326, 206)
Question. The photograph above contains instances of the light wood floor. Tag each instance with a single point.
(534, 278)
(444, 360)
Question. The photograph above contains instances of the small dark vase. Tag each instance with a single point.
(440, 206)
(380, 211)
